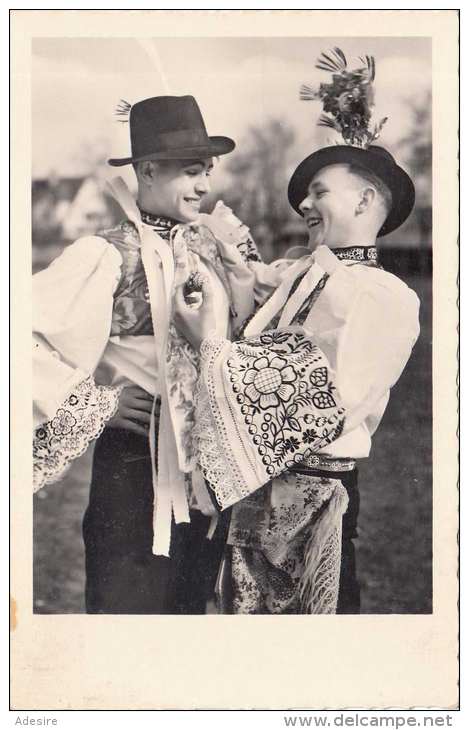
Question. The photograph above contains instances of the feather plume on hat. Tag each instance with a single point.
(123, 110)
(347, 101)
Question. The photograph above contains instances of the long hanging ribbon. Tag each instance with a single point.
(170, 492)
(168, 481)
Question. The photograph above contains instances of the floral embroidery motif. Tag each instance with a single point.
(63, 423)
(182, 365)
(269, 382)
(309, 436)
(79, 420)
(283, 389)
(131, 313)
(248, 250)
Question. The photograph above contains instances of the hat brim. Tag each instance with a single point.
(217, 146)
(398, 181)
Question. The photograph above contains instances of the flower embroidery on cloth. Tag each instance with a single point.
(277, 433)
(181, 378)
(248, 250)
(269, 382)
(79, 420)
(131, 309)
(63, 423)
(285, 392)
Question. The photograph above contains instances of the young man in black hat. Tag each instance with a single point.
(110, 366)
(284, 413)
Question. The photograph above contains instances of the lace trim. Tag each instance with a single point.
(227, 481)
(79, 420)
(212, 460)
(210, 347)
(319, 584)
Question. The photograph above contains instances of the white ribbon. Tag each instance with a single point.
(168, 481)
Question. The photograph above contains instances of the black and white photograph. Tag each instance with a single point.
(232, 302)
(312, 407)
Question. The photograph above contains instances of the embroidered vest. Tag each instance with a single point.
(131, 313)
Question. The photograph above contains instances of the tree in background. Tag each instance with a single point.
(257, 190)
(416, 152)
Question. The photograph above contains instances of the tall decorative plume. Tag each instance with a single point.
(123, 110)
(348, 101)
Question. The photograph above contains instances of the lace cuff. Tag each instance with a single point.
(213, 464)
(79, 420)
(272, 402)
(211, 346)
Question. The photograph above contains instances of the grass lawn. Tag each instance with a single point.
(394, 549)
(395, 526)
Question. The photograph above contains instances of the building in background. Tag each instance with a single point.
(65, 208)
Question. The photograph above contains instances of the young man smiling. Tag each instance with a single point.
(284, 413)
(174, 186)
(110, 366)
(332, 213)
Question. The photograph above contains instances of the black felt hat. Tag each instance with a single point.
(170, 128)
(375, 159)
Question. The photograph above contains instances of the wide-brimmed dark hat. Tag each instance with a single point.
(170, 128)
(375, 159)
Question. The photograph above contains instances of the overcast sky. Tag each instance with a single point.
(238, 82)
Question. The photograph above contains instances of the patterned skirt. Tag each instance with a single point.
(299, 557)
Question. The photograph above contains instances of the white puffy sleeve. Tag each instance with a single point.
(375, 345)
(252, 281)
(371, 323)
(238, 252)
(72, 312)
(273, 399)
(264, 404)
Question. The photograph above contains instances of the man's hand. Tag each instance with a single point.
(194, 324)
(133, 411)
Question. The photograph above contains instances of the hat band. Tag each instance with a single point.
(182, 138)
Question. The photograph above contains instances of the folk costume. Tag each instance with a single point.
(102, 321)
(284, 413)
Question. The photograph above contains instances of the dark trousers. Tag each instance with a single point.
(122, 574)
(349, 588)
